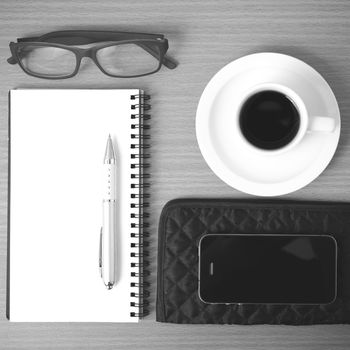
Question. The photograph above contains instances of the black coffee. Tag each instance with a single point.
(269, 120)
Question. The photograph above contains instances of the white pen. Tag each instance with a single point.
(107, 261)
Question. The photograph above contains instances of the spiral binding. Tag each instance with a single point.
(139, 215)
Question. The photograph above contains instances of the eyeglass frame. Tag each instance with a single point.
(83, 37)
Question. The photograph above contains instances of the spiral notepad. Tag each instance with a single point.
(57, 142)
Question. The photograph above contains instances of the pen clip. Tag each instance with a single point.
(100, 252)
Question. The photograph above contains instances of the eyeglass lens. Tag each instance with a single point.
(48, 61)
(128, 59)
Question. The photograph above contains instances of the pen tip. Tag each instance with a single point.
(109, 153)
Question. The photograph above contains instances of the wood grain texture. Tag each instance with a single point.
(204, 36)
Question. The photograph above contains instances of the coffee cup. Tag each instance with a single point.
(273, 118)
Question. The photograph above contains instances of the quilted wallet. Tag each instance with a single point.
(184, 221)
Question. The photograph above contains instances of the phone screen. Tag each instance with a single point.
(272, 269)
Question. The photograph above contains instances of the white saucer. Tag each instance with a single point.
(236, 163)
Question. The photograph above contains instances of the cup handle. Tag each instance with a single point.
(323, 124)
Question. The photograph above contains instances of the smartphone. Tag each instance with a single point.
(267, 269)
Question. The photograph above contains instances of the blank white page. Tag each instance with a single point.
(58, 140)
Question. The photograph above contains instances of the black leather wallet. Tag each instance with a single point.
(184, 221)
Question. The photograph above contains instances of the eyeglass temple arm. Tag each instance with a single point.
(12, 59)
(167, 61)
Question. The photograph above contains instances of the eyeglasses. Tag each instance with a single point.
(117, 54)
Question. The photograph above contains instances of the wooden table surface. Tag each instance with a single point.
(204, 36)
